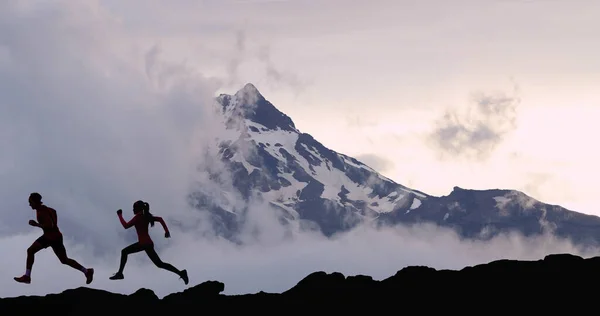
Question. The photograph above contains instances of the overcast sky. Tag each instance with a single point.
(106, 102)
(388, 71)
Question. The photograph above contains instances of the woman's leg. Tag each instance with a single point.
(159, 263)
(133, 248)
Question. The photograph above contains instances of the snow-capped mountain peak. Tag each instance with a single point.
(296, 173)
(269, 158)
(249, 104)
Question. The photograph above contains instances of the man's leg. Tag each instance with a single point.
(163, 265)
(37, 245)
(59, 249)
(133, 248)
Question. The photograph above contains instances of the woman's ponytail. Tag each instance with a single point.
(149, 217)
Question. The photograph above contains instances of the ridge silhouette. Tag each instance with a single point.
(558, 281)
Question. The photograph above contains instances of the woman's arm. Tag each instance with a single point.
(125, 224)
(164, 225)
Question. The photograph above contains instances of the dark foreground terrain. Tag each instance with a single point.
(558, 283)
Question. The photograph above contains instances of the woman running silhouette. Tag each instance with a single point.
(142, 217)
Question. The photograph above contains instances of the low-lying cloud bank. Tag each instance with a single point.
(271, 265)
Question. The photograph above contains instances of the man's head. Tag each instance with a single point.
(35, 200)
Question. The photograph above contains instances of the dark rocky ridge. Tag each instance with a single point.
(560, 280)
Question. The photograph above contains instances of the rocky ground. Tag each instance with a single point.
(558, 283)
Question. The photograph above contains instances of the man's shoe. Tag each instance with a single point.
(23, 279)
(184, 276)
(89, 275)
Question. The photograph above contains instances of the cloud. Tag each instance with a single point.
(536, 181)
(277, 265)
(376, 162)
(477, 131)
(274, 76)
(89, 127)
(95, 119)
(279, 77)
(237, 58)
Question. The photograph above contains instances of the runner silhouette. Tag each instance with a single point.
(47, 220)
(141, 219)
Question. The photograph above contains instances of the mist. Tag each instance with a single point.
(272, 266)
(94, 120)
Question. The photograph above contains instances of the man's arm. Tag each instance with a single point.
(42, 221)
(125, 224)
(162, 222)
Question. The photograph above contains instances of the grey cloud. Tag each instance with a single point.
(275, 77)
(279, 78)
(476, 132)
(88, 141)
(376, 162)
(238, 56)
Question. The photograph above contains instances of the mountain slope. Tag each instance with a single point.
(484, 285)
(271, 160)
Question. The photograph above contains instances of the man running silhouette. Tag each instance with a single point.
(141, 219)
(47, 220)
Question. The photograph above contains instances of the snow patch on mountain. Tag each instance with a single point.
(415, 204)
(296, 161)
(281, 144)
